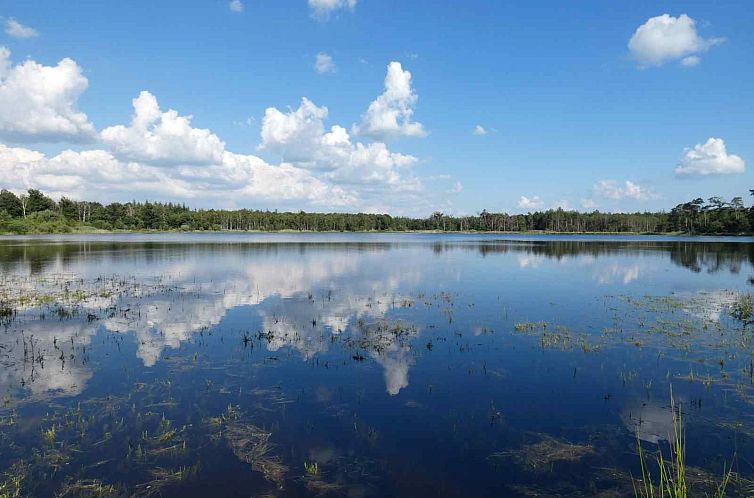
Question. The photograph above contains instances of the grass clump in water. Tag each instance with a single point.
(50, 435)
(544, 454)
(672, 482)
(10, 486)
(89, 488)
(252, 445)
(311, 468)
(742, 308)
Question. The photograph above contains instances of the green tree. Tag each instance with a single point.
(69, 208)
(37, 202)
(10, 203)
(149, 216)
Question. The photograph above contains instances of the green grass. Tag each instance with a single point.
(672, 481)
(743, 308)
(312, 468)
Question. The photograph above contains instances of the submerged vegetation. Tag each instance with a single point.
(542, 455)
(34, 212)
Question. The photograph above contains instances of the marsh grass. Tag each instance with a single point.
(543, 454)
(90, 488)
(672, 478)
(10, 486)
(252, 445)
(742, 308)
(161, 479)
(312, 468)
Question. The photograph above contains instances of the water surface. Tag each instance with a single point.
(370, 365)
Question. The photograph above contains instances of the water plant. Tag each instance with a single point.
(672, 481)
(311, 469)
(742, 308)
(50, 435)
(252, 445)
(10, 486)
(543, 454)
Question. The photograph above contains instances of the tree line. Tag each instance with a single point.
(35, 212)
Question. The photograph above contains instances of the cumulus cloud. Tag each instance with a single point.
(160, 155)
(588, 204)
(286, 182)
(324, 63)
(295, 135)
(710, 158)
(390, 114)
(162, 138)
(479, 131)
(610, 189)
(530, 203)
(299, 137)
(39, 103)
(666, 38)
(98, 175)
(322, 9)
(17, 30)
(236, 6)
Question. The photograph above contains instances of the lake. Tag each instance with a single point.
(371, 365)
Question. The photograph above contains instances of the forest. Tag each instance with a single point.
(34, 212)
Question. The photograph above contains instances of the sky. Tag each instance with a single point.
(404, 107)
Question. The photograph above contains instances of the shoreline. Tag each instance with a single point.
(96, 231)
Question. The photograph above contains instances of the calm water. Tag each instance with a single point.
(369, 365)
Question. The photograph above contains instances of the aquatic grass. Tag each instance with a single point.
(50, 435)
(252, 445)
(11, 485)
(742, 308)
(89, 488)
(543, 454)
(672, 479)
(162, 478)
(312, 469)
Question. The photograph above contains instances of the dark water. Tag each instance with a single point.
(369, 365)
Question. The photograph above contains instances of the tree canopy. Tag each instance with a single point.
(34, 212)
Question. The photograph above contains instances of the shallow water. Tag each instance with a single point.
(369, 365)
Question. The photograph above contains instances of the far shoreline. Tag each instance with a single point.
(96, 231)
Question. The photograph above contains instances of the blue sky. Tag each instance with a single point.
(572, 115)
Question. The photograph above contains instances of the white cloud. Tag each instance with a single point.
(691, 61)
(295, 135)
(236, 6)
(39, 103)
(390, 114)
(299, 137)
(324, 63)
(562, 204)
(527, 203)
(457, 188)
(17, 30)
(588, 204)
(323, 8)
(286, 182)
(610, 189)
(162, 138)
(710, 158)
(479, 131)
(666, 38)
(98, 175)
(160, 156)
